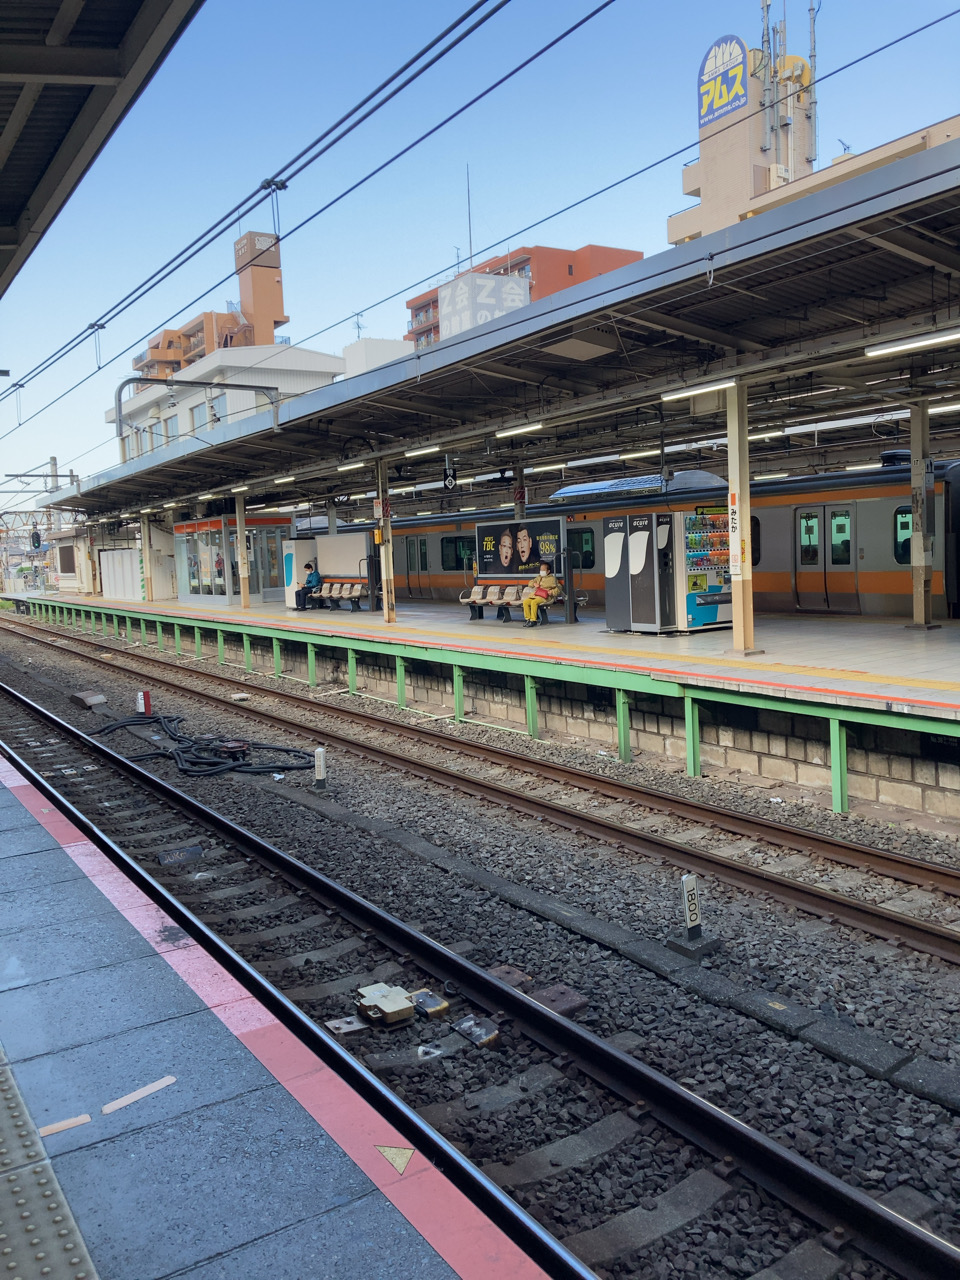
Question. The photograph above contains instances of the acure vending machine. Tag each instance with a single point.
(667, 571)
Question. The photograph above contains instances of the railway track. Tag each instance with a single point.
(245, 895)
(731, 866)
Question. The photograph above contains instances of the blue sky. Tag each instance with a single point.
(249, 85)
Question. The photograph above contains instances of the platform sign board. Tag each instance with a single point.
(735, 536)
(514, 548)
(722, 82)
(476, 298)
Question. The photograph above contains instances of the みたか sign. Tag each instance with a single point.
(722, 83)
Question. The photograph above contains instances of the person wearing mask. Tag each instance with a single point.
(546, 589)
(313, 583)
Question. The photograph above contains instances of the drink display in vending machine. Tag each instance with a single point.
(704, 582)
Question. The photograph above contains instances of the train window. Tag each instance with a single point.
(580, 541)
(839, 537)
(423, 555)
(902, 531)
(809, 537)
(755, 540)
(455, 553)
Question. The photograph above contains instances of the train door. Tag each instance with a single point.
(418, 578)
(826, 558)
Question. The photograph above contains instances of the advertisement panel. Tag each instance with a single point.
(722, 83)
(514, 548)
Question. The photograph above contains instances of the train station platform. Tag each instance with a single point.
(871, 661)
(163, 1123)
(850, 672)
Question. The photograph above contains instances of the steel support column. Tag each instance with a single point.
(243, 558)
(311, 660)
(838, 766)
(352, 670)
(145, 557)
(458, 694)
(922, 503)
(691, 728)
(623, 724)
(220, 654)
(386, 545)
(277, 658)
(533, 716)
(741, 549)
(247, 654)
(401, 681)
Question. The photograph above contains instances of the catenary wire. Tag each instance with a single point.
(513, 235)
(329, 204)
(267, 188)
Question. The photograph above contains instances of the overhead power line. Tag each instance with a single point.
(277, 181)
(397, 155)
(654, 164)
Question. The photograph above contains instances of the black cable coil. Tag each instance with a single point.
(209, 754)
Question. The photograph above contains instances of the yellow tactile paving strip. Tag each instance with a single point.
(678, 664)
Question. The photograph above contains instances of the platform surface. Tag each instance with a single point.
(876, 663)
(253, 1159)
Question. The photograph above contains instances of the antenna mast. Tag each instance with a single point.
(812, 111)
(767, 69)
(469, 219)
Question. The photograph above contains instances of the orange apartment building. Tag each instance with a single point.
(547, 271)
(251, 323)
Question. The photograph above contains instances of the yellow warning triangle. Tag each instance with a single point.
(399, 1157)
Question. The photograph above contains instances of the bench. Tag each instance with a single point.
(511, 596)
(334, 592)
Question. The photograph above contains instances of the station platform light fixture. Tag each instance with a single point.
(419, 453)
(285, 480)
(204, 497)
(351, 466)
(167, 505)
(953, 407)
(863, 466)
(240, 488)
(519, 431)
(920, 343)
(701, 389)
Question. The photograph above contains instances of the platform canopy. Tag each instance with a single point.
(788, 303)
(69, 72)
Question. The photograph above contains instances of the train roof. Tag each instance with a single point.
(679, 482)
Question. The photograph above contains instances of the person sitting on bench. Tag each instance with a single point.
(313, 583)
(546, 589)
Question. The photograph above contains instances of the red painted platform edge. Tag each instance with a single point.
(455, 1228)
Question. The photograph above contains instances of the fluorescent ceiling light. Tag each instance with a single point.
(774, 475)
(285, 480)
(646, 453)
(204, 497)
(551, 466)
(506, 504)
(424, 513)
(765, 435)
(594, 462)
(257, 506)
(410, 488)
(468, 508)
(945, 408)
(418, 453)
(147, 511)
(351, 466)
(240, 488)
(942, 339)
(702, 390)
(867, 420)
(126, 515)
(520, 431)
(864, 466)
(467, 480)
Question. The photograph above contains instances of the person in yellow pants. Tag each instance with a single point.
(546, 589)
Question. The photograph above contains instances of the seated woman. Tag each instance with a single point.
(546, 589)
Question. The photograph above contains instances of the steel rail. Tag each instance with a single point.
(500, 1207)
(896, 866)
(892, 926)
(850, 1215)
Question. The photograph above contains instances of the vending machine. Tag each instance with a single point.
(667, 571)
